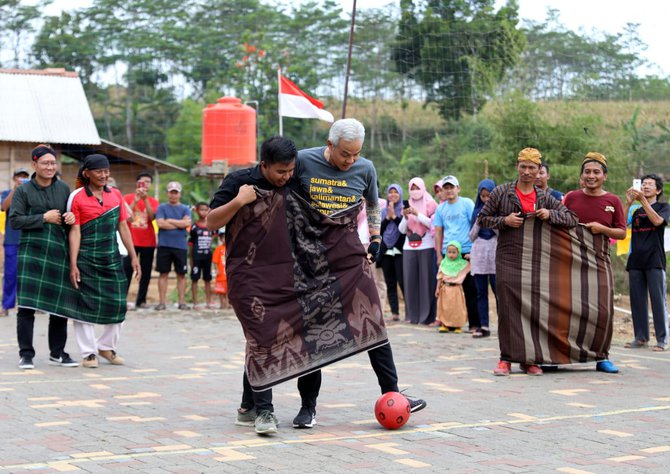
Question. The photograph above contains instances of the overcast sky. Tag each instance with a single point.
(603, 15)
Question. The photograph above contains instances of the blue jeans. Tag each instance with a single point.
(481, 283)
(9, 280)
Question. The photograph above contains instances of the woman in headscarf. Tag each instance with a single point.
(483, 258)
(419, 268)
(392, 244)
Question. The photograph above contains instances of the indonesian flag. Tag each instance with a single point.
(295, 103)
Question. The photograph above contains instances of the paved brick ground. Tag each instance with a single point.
(172, 407)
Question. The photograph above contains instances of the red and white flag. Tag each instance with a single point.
(295, 103)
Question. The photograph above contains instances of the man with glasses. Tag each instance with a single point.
(38, 211)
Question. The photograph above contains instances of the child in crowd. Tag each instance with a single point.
(219, 259)
(200, 241)
(451, 310)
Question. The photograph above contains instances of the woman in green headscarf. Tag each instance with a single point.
(451, 310)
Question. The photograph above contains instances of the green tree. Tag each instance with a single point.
(458, 50)
(18, 23)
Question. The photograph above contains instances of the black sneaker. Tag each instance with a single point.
(26, 363)
(415, 404)
(306, 418)
(64, 361)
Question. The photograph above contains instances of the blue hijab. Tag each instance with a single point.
(487, 184)
(391, 232)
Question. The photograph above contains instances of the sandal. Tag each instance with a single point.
(481, 333)
(635, 344)
(660, 348)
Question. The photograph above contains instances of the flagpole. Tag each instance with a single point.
(281, 125)
(351, 45)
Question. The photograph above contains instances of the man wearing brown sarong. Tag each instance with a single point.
(507, 209)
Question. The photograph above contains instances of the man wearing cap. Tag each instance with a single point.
(506, 210)
(96, 269)
(11, 245)
(172, 218)
(599, 211)
(452, 222)
(38, 210)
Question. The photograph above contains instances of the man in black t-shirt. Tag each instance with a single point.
(278, 157)
(646, 263)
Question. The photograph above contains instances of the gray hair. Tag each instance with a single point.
(348, 130)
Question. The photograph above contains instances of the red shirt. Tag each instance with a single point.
(141, 228)
(527, 200)
(606, 209)
(86, 208)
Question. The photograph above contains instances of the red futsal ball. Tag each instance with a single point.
(392, 410)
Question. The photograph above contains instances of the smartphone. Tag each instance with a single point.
(405, 204)
(24, 180)
(637, 184)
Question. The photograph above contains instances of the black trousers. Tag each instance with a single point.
(250, 399)
(25, 324)
(392, 268)
(382, 363)
(146, 258)
(470, 293)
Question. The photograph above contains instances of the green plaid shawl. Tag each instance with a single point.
(103, 284)
(44, 272)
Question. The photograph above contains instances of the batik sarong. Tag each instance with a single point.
(555, 294)
(44, 272)
(102, 289)
(301, 287)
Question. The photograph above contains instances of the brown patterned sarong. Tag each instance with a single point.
(555, 294)
(301, 287)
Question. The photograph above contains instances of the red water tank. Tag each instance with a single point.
(229, 133)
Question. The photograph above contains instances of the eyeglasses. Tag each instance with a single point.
(47, 164)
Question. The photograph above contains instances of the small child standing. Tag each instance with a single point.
(200, 241)
(452, 313)
(219, 259)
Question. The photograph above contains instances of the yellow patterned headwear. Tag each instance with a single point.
(595, 156)
(530, 154)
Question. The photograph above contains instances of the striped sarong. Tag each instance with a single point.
(44, 272)
(301, 287)
(103, 284)
(555, 294)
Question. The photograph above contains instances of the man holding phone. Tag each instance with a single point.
(140, 222)
(11, 245)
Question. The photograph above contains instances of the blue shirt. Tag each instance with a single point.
(174, 238)
(12, 236)
(455, 221)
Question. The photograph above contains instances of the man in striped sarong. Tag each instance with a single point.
(508, 209)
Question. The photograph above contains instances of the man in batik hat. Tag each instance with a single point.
(38, 211)
(599, 211)
(507, 209)
(96, 268)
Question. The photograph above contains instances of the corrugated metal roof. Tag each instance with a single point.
(45, 107)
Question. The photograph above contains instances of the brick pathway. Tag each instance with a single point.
(172, 407)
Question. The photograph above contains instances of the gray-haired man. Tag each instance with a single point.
(335, 177)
